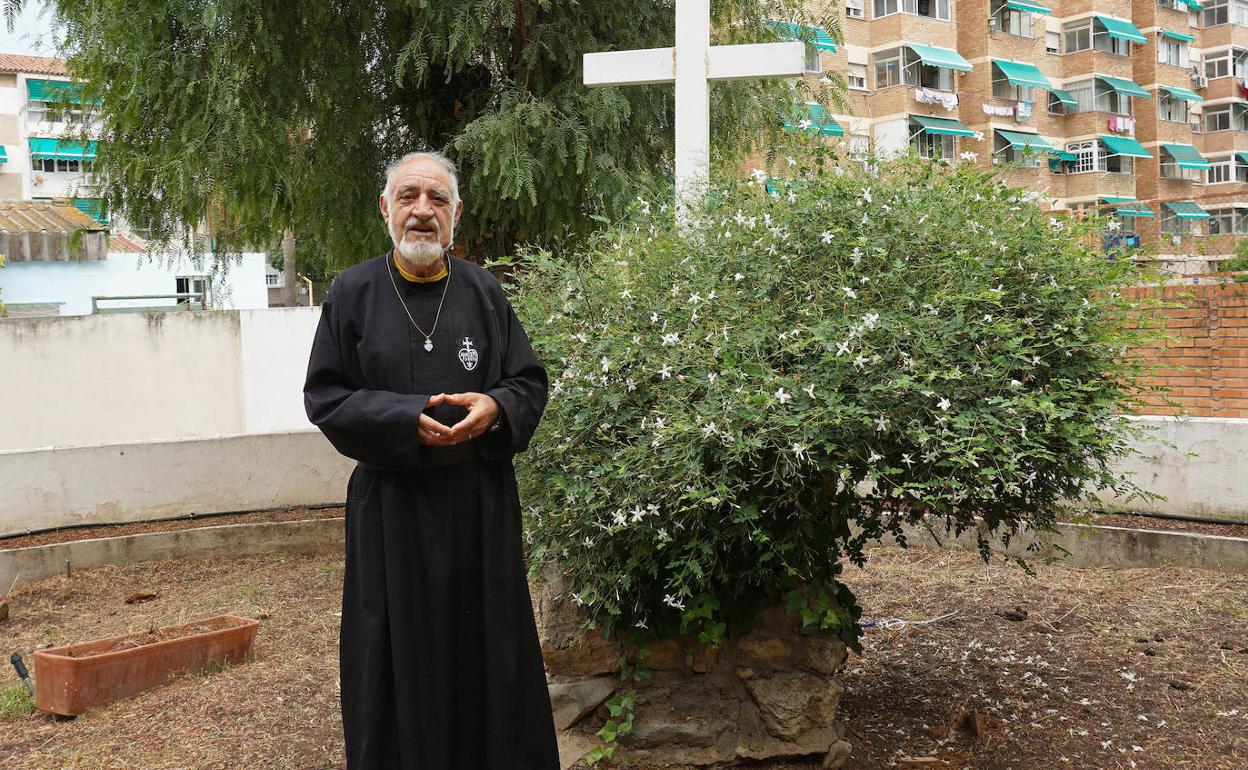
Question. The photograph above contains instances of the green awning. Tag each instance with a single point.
(1182, 93)
(818, 36)
(1068, 157)
(934, 56)
(59, 148)
(1027, 5)
(1178, 36)
(1020, 74)
(92, 207)
(1127, 207)
(1195, 5)
(945, 126)
(1185, 156)
(1187, 210)
(1064, 97)
(1024, 141)
(817, 122)
(1121, 29)
(4, 154)
(54, 91)
(1123, 145)
(1243, 157)
(1124, 86)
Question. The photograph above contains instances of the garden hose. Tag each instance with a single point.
(16, 660)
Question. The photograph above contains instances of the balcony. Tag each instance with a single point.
(1222, 88)
(1222, 142)
(1096, 184)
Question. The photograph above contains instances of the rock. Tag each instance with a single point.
(837, 756)
(824, 654)
(573, 700)
(1180, 685)
(792, 703)
(702, 658)
(568, 648)
(138, 597)
(665, 655)
(757, 648)
(1012, 614)
(4, 611)
(572, 747)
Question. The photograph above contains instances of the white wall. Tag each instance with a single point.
(74, 283)
(141, 481)
(121, 377)
(892, 137)
(275, 344)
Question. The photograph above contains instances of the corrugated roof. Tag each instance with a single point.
(40, 217)
(126, 243)
(34, 231)
(34, 65)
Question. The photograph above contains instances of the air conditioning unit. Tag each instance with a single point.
(1200, 81)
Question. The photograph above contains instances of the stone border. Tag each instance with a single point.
(27, 565)
(1103, 546)
(1089, 546)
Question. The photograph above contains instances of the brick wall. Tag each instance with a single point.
(1205, 363)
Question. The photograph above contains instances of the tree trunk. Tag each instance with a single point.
(290, 279)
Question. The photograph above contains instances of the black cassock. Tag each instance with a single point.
(440, 663)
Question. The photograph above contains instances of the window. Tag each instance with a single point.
(888, 68)
(1009, 153)
(192, 284)
(883, 8)
(813, 62)
(1216, 12)
(933, 9)
(1218, 65)
(1084, 94)
(1172, 52)
(854, 9)
(857, 76)
(859, 147)
(1078, 36)
(1009, 20)
(933, 145)
(1053, 42)
(270, 279)
(1171, 170)
(1218, 118)
(58, 166)
(1171, 109)
(1086, 156)
(1055, 105)
(1002, 88)
(1109, 100)
(1222, 222)
(1175, 5)
(1171, 224)
(1220, 170)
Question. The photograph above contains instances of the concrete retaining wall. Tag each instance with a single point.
(1204, 474)
(48, 488)
(26, 565)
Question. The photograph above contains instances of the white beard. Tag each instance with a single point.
(421, 253)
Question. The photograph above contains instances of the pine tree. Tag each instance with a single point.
(258, 116)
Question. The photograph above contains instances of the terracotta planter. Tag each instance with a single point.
(77, 677)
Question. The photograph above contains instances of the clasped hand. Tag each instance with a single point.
(482, 411)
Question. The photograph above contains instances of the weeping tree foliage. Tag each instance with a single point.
(253, 117)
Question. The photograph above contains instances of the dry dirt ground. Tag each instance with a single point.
(1108, 669)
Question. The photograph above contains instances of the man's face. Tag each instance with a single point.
(419, 211)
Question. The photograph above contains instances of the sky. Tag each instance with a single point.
(32, 34)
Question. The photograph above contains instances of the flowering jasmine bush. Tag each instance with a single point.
(737, 411)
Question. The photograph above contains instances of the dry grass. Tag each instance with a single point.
(1115, 639)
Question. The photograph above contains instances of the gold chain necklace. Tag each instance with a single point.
(428, 336)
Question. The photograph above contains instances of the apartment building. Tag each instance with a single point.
(1139, 106)
(37, 162)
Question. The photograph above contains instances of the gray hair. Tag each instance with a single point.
(446, 163)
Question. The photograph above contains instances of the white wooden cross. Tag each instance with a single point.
(691, 65)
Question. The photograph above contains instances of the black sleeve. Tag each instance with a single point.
(377, 427)
(520, 393)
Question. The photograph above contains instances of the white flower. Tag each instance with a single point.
(849, 293)
(856, 255)
(799, 451)
(866, 195)
(589, 542)
(712, 377)
(881, 423)
(665, 372)
(739, 218)
(874, 458)
(620, 518)
(1128, 675)
(870, 320)
(810, 391)
(626, 294)
(695, 299)
(641, 624)
(842, 348)
(790, 160)
(905, 458)
(673, 602)
(576, 599)
(1113, 226)
(979, 136)
(654, 318)
(804, 123)
(606, 364)
(861, 361)
(826, 235)
(968, 155)
(630, 384)
(1015, 384)
(943, 404)
(759, 174)
(782, 396)
(671, 338)
(738, 277)
(709, 429)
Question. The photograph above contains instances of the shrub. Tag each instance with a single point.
(737, 413)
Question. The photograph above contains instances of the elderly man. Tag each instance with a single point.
(421, 372)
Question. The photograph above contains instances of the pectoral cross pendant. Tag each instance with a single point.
(428, 345)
